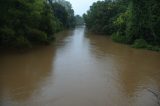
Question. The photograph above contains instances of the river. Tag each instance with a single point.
(80, 69)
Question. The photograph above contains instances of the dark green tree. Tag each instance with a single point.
(100, 17)
(135, 22)
(30, 22)
(79, 20)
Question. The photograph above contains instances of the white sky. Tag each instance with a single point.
(81, 6)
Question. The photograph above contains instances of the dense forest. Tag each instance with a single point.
(79, 20)
(134, 22)
(24, 23)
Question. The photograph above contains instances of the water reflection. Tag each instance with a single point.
(138, 70)
(80, 69)
(22, 74)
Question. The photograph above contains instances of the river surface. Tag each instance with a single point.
(80, 69)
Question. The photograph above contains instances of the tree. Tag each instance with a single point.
(60, 13)
(70, 12)
(100, 17)
(79, 20)
(26, 22)
(128, 21)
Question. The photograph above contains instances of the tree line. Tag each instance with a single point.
(24, 23)
(134, 22)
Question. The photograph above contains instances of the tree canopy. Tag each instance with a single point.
(135, 22)
(30, 22)
(79, 20)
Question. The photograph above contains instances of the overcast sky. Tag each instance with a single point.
(81, 6)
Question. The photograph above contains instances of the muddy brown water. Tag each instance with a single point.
(80, 69)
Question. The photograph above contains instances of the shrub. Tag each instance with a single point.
(7, 36)
(154, 48)
(119, 38)
(140, 43)
(37, 36)
(21, 42)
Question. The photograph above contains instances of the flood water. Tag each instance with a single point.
(80, 69)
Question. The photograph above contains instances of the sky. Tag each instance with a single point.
(81, 6)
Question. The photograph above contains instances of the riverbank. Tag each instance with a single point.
(138, 44)
(127, 22)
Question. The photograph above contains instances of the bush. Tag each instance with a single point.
(6, 35)
(21, 42)
(58, 26)
(140, 43)
(37, 36)
(154, 48)
(119, 38)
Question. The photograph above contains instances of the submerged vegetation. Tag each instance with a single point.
(134, 22)
(28, 22)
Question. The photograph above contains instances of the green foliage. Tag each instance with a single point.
(128, 21)
(21, 42)
(8, 39)
(117, 37)
(37, 36)
(60, 13)
(65, 16)
(100, 17)
(143, 21)
(154, 48)
(47, 21)
(140, 43)
(79, 20)
(7, 35)
(24, 23)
